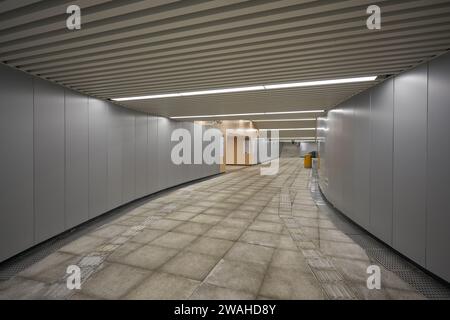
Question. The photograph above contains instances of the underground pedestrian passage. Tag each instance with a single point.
(247, 150)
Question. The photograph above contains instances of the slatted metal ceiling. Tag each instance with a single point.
(139, 47)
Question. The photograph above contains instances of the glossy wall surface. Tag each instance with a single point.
(384, 162)
(67, 158)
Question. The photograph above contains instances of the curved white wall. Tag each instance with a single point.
(385, 162)
(67, 158)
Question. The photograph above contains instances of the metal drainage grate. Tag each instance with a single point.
(390, 260)
(11, 267)
(367, 242)
(425, 284)
(15, 265)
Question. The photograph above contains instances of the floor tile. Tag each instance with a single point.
(217, 211)
(45, 271)
(250, 253)
(125, 249)
(235, 223)
(208, 291)
(269, 218)
(286, 242)
(193, 228)
(19, 288)
(237, 275)
(179, 215)
(207, 219)
(404, 295)
(210, 246)
(174, 240)
(164, 224)
(226, 233)
(109, 231)
(266, 227)
(193, 209)
(113, 281)
(163, 286)
(147, 235)
(191, 265)
(290, 284)
(262, 238)
(342, 249)
(149, 257)
(83, 245)
(290, 259)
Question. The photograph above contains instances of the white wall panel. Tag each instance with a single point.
(152, 149)
(115, 156)
(400, 169)
(163, 143)
(16, 162)
(77, 159)
(128, 155)
(172, 169)
(49, 159)
(67, 158)
(410, 156)
(141, 154)
(191, 169)
(98, 157)
(438, 166)
(381, 116)
(361, 159)
(347, 147)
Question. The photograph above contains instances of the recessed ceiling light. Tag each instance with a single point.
(217, 91)
(282, 120)
(246, 114)
(250, 88)
(319, 83)
(156, 96)
(219, 115)
(295, 138)
(290, 129)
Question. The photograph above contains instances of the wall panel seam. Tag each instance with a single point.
(426, 168)
(89, 159)
(65, 160)
(392, 160)
(33, 83)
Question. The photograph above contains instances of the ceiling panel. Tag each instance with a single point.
(141, 47)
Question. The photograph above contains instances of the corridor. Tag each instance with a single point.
(238, 235)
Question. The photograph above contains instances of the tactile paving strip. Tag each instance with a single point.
(331, 281)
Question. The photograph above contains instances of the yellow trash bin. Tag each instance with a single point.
(308, 161)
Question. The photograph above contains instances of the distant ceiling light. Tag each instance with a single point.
(250, 88)
(217, 91)
(245, 114)
(218, 115)
(295, 138)
(156, 96)
(319, 83)
(281, 120)
(290, 129)
(293, 112)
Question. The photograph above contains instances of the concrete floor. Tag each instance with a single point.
(236, 236)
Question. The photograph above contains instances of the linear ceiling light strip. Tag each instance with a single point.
(251, 88)
(246, 114)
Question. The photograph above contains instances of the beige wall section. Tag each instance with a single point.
(239, 129)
